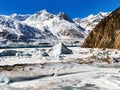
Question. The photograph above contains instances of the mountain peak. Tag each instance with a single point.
(42, 11)
(41, 16)
(64, 16)
(91, 16)
(103, 14)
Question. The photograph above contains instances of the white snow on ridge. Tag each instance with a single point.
(88, 23)
(60, 25)
(19, 17)
(41, 16)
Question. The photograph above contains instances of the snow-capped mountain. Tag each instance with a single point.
(19, 17)
(88, 23)
(61, 25)
(12, 31)
(44, 26)
(41, 16)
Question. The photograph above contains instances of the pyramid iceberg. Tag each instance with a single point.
(59, 49)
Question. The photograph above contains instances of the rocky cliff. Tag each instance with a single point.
(106, 34)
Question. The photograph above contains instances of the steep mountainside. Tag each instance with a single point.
(88, 23)
(61, 25)
(12, 31)
(107, 33)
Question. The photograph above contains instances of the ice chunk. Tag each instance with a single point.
(8, 53)
(113, 60)
(59, 49)
(4, 80)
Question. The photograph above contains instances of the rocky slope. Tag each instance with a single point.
(107, 33)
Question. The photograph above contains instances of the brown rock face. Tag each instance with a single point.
(106, 34)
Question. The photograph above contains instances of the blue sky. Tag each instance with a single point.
(74, 8)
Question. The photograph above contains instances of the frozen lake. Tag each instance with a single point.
(81, 70)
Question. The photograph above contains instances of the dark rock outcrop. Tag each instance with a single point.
(64, 16)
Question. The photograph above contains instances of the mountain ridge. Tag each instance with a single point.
(89, 22)
(61, 25)
(38, 27)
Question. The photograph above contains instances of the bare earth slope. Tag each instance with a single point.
(106, 33)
